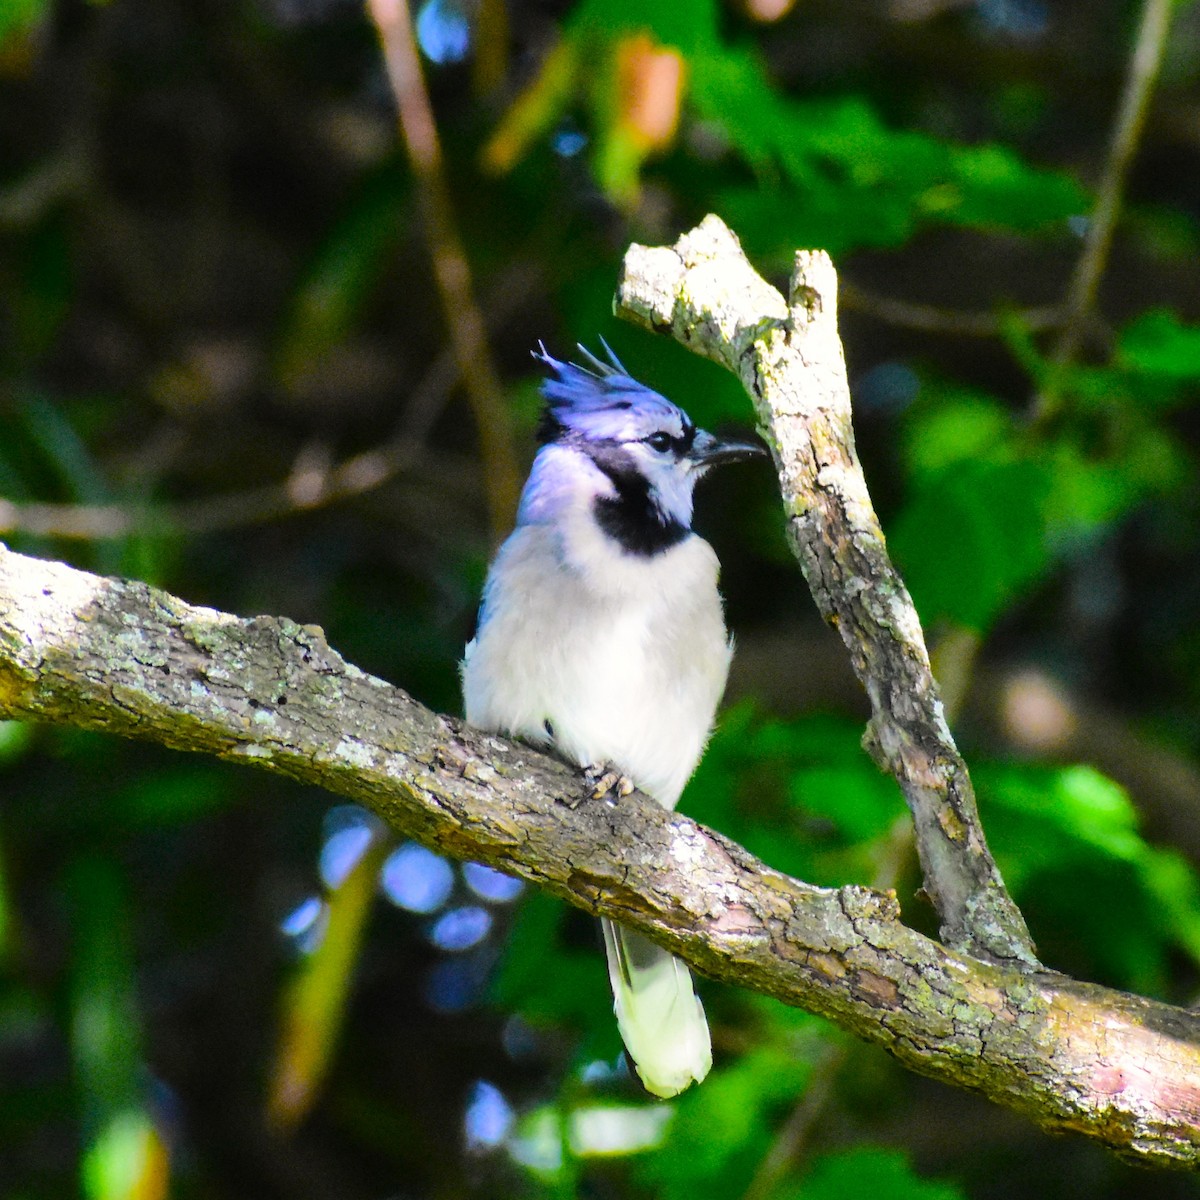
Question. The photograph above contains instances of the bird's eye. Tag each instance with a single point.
(659, 441)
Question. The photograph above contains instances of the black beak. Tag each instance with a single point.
(709, 451)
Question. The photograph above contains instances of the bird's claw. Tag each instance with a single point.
(605, 780)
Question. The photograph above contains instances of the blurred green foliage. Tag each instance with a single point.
(215, 287)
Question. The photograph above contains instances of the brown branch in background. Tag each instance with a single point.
(464, 321)
(309, 486)
(1144, 65)
(131, 660)
(789, 357)
(929, 318)
(794, 1134)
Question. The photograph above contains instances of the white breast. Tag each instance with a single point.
(624, 657)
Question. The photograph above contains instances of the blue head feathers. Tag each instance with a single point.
(633, 454)
(602, 402)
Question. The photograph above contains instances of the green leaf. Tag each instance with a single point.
(127, 1160)
(772, 220)
(1082, 805)
(972, 540)
(828, 171)
(1100, 896)
(996, 189)
(15, 739)
(1158, 344)
(124, 1156)
(953, 425)
(104, 1022)
(869, 1173)
(801, 794)
(160, 798)
(744, 1101)
(19, 16)
(575, 993)
(691, 27)
(856, 797)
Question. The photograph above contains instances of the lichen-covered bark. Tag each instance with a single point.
(123, 657)
(788, 355)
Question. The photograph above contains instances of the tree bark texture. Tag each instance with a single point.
(125, 658)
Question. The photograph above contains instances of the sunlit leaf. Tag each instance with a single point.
(1071, 837)
(124, 1158)
(128, 1160)
(315, 1002)
(971, 540)
(537, 109)
(637, 102)
(954, 425)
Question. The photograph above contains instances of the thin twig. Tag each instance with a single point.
(1144, 65)
(354, 476)
(450, 267)
(108, 522)
(792, 1140)
(929, 318)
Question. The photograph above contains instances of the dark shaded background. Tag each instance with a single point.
(225, 368)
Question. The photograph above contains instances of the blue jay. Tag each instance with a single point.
(601, 634)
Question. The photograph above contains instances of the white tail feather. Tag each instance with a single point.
(660, 1017)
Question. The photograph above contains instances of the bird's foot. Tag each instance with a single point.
(605, 780)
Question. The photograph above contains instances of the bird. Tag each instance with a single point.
(601, 636)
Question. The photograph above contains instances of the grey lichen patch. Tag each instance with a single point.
(869, 904)
(250, 750)
(480, 772)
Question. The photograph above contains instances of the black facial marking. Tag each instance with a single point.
(549, 428)
(679, 444)
(631, 518)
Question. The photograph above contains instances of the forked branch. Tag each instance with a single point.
(788, 356)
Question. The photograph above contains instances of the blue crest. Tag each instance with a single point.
(602, 402)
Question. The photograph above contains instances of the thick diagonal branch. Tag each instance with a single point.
(788, 355)
(106, 654)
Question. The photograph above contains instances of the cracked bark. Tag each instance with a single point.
(788, 355)
(128, 659)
